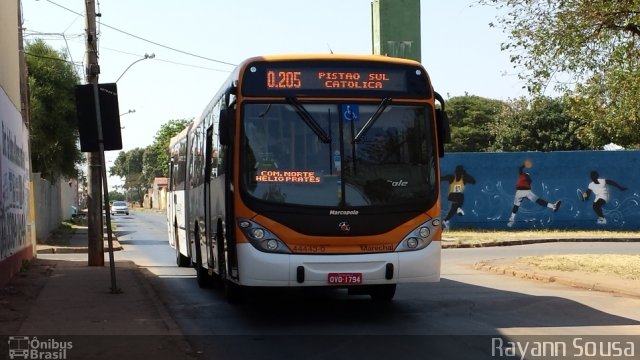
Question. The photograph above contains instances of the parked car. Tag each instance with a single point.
(120, 207)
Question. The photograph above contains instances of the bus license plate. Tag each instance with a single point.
(345, 278)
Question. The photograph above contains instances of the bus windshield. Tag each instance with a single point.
(393, 162)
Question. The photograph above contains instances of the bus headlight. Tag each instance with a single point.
(261, 238)
(412, 243)
(272, 244)
(258, 233)
(420, 237)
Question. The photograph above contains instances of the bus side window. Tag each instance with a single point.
(215, 157)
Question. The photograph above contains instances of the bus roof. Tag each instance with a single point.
(321, 57)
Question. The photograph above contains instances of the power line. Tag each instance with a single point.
(40, 33)
(52, 58)
(57, 36)
(149, 41)
(166, 61)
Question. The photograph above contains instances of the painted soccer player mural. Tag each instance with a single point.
(457, 182)
(523, 191)
(600, 188)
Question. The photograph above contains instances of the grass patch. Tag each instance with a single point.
(474, 237)
(61, 235)
(624, 266)
(25, 266)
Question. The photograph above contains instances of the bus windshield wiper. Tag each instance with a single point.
(383, 105)
(265, 112)
(309, 120)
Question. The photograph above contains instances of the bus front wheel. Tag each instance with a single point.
(233, 292)
(202, 275)
(181, 260)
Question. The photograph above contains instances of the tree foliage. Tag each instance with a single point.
(128, 165)
(611, 104)
(469, 117)
(589, 48)
(53, 128)
(156, 156)
(116, 196)
(540, 124)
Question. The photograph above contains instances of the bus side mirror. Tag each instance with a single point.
(442, 125)
(224, 127)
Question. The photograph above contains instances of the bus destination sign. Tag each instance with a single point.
(331, 79)
(335, 79)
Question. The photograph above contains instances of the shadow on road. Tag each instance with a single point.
(446, 320)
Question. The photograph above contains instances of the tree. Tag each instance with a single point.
(469, 117)
(53, 128)
(614, 115)
(128, 165)
(539, 124)
(116, 196)
(589, 48)
(156, 156)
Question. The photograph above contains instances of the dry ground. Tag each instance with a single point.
(485, 238)
(625, 266)
(19, 294)
(618, 265)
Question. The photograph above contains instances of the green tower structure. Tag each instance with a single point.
(396, 28)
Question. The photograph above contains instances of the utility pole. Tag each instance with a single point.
(97, 172)
(94, 201)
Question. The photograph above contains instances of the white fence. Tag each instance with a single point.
(54, 202)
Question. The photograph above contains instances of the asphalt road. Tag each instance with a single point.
(465, 315)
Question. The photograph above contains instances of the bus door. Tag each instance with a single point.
(213, 250)
(171, 213)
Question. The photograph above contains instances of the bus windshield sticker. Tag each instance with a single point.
(288, 176)
(350, 112)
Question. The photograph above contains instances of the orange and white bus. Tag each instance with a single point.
(312, 170)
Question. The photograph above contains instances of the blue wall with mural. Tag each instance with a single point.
(556, 176)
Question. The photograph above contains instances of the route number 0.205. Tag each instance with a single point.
(283, 80)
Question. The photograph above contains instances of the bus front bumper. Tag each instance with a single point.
(266, 269)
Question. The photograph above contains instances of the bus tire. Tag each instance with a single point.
(204, 280)
(382, 293)
(233, 292)
(181, 260)
(219, 273)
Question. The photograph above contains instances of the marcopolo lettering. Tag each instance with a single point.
(343, 212)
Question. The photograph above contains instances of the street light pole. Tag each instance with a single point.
(146, 56)
(131, 111)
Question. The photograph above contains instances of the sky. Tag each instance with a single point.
(196, 44)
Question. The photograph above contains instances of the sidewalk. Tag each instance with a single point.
(76, 305)
(59, 301)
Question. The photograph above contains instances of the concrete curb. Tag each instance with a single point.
(544, 277)
(51, 249)
(144, 280)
